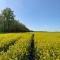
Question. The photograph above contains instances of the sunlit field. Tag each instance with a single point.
(47, 45)
(30, 46)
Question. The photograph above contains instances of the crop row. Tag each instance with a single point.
(28, 46)
(7, 40)
(18, 51)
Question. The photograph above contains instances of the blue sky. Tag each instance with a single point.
(37, 15)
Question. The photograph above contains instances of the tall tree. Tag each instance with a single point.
(8, 17)
(8, 23)
(1, 23)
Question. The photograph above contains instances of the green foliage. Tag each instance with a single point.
(8, 23)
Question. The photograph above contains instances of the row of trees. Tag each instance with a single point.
(8, 23)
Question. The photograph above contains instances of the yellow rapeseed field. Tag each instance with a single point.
(47, 45)
(30, 46)
(18, 50)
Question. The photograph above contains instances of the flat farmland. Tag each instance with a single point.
(30, 46)
(47, 45)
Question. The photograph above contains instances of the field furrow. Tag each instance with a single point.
(8, 41)
(20, 50)
(30, 46)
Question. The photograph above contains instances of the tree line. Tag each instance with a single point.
(8, 23)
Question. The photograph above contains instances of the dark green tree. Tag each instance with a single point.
(8, 23)
(8, 17)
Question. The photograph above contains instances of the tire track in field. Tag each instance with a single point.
(6, 47)
(32, 49)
